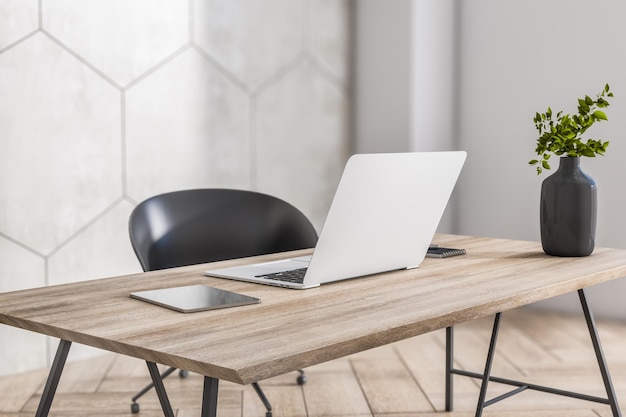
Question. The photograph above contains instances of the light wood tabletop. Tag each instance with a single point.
(294, 329)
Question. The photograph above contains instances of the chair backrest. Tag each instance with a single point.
(205, 225)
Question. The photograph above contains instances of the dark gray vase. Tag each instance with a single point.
(568, 211)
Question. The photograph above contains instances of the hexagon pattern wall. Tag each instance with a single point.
(105, 103)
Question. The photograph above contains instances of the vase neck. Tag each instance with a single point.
(569, 163)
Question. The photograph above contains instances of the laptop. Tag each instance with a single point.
(383, 217)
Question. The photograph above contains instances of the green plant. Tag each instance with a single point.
(563, 136)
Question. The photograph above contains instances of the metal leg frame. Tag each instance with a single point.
(53, 378)
(209, 394)
(263, 398)
(487, 373)
(134, 406)
(449, 368)
(611, 399)
(604, 369)
(209, 397)
(160, 389)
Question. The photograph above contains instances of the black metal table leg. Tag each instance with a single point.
(485, 377)
(595, 340)
(209, 397)
(160, 389)
(134, 405)
(53, 378)
(449, 368)
(487, 373)
(263, 398)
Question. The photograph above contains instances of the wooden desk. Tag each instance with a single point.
(292, 329)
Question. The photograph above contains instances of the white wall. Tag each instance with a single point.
(103, 104)
(434, 75)
(381, 85)
(519, 57)
(479, 71)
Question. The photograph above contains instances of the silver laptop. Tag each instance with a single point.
(383, 217)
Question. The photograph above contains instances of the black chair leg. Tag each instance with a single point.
(301, 380)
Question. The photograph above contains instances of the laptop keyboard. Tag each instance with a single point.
(295, 275)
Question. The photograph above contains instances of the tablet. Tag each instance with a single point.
(192, 298)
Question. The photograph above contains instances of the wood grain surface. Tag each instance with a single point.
(294, 329)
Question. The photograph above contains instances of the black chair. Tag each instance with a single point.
(207, 225)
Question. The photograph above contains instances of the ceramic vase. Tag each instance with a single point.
(568, 211)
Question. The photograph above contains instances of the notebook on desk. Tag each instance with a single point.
(383, 217)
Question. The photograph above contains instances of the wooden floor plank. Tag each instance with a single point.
(492, 413)
(87, 403)
(471, 343)
(126, 366)
(388, 388)
(516, 347)
(16, 390)
(548, 329)
(424, 356)
(333, 389)
(286, 401)
(76, 378)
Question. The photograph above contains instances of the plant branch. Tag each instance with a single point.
(561, 134)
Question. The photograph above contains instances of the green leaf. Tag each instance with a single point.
(583, 109)
(545, 164)
(600, 115)
(588, 152)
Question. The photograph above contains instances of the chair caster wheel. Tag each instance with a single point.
(183, 374)
(301, 380)
(134, 408)
(268, 414)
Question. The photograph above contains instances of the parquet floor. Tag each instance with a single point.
(402, 379)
